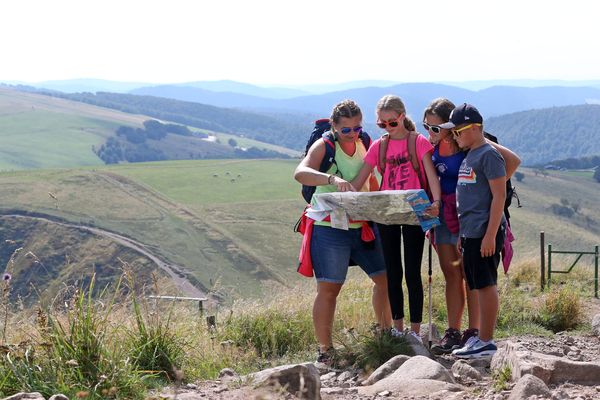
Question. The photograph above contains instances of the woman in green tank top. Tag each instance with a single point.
(332, 249)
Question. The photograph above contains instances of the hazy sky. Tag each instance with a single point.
(299, 42)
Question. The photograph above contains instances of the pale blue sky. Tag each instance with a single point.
(299, 42)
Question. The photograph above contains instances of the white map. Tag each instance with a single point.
(385, 207)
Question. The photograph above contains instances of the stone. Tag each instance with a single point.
(302, 380)
(463, 370)
(386, 369)
(418, 376)
(332, 390)
(550, 369)
(59, 396)
(527, 386)
(228, 375)
(596, 325)
(26, 396)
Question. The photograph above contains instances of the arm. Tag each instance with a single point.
(307, 172)
(498, 188)
(511, 159)
(434, 185)
(362, 176)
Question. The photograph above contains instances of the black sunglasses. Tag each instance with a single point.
(384, 124)
(357, 129)
(433, 128)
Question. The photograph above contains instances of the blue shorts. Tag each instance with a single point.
(331, 250)
(442, 234)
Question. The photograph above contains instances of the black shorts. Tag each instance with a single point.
(481, 272)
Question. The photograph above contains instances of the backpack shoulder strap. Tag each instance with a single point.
(329, 157)
(383, 146)
(412, 151)
(414, 158)
(366, 139)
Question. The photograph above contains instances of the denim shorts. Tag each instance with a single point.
(442, 234)
(332, 249)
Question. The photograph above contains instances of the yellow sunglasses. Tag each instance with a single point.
(456, 132)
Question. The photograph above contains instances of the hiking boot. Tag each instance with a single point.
(326, 357)
(475, 348)
(467, 334)
(450, 341)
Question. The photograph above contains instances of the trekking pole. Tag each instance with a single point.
(429, 272)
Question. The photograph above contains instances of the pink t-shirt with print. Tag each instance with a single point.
(399, 173)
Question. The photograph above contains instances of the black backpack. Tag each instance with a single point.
(322, 130)
(510, 189)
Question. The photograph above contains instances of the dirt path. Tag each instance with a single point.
(173, 270)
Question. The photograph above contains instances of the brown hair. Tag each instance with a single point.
(345, 109)
(394, 103)
(442, 108)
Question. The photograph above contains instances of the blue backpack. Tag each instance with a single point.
(322, 130)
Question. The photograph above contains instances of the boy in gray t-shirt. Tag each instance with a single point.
(480, 193)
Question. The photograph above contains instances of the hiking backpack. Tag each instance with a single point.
(322, 130)
(510, 189)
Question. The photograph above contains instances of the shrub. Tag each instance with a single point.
(369, 351)
(561, 310)
(271, 332)
(155, 348)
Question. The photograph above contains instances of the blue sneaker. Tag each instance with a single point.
(475, 348)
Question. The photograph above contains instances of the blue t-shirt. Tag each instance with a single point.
(447, 169)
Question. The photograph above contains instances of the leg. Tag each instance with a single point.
(450, 262)
(473, 307)
(371, 261)
(330, 253)
(323, 312)
(381, 302)
(390, 240)
(489, 304)
(414, 238)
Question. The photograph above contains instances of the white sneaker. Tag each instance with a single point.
(476, 349)
(468, 344)
(396, 333)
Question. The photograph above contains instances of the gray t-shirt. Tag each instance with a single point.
(473, 194)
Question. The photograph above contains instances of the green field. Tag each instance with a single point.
(39, 131)
(228, 223)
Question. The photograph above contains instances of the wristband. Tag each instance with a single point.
(329, 179)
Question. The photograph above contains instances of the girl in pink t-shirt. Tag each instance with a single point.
(399, 174)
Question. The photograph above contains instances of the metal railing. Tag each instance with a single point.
(579, 255)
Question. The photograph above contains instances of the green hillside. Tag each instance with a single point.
(541, 136)
(39, 131)
(226, 225)
(44, 132)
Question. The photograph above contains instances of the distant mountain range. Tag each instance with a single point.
(491, 102)
(530, 120)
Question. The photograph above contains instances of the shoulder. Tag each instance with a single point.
(423, 143)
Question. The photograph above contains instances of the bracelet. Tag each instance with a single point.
(329, 179)
(437, 201)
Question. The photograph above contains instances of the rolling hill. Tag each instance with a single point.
(224, 226)
(40, 131)
(541, 136)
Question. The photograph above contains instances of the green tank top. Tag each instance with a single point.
(346, 167)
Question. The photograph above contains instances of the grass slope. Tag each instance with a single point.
(39, 131)
(228, 223)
